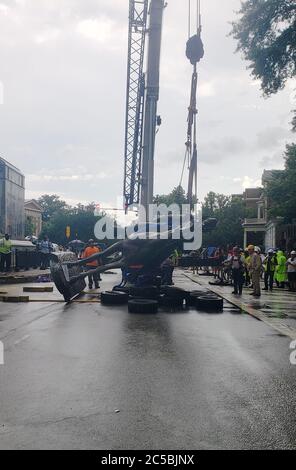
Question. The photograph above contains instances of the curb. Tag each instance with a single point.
(274, 323)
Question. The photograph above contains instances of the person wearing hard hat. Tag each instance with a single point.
(247, 260)
(291, 266)
(91, 250)
(269, 265)
(255, 268)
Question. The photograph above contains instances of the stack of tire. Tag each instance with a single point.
(174, 298)
(206, 301)
(148, 299)
(143, 299)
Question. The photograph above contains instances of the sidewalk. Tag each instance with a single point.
(21, 277)
(16, 293)
(277, 308)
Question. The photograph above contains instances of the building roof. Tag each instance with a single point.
(34, 203)
(10, 165)
(253, 193)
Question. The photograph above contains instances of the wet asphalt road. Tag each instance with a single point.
(184, 380)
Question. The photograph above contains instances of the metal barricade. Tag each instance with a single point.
(26, 259)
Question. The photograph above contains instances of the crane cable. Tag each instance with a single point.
(198, 17)
(194, 53)
(187, 156)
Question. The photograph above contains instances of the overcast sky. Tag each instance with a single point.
(63, 73)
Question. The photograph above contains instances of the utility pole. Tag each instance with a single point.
(152, 96)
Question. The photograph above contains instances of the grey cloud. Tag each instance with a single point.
(272, 137)
(64, 97)
(222, 149)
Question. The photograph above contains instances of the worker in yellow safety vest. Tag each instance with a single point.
(5, 253)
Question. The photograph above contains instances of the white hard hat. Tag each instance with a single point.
(293, 252)
(270, 251)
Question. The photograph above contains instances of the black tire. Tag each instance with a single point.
(149, 292)
(121, 289)
(192, 297)
(209, 303)
(197, 293)
(142, 306)
(171, 302)
(175, 292)
(114, 298)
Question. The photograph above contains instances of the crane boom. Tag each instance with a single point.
(138, 12)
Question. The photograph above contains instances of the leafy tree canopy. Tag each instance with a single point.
(58, 215)
(229, 212)
(176, 196)
(81, 224)
(266, 35)
(281, 191)
(51, 204)
(214, 203)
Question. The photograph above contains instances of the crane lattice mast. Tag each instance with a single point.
(138, 13)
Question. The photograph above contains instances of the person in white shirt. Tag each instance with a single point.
(291, 265)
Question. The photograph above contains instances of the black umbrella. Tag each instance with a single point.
(76, 245)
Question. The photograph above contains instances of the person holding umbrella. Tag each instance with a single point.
(76, 246)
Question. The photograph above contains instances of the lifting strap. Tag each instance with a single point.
(194, 52)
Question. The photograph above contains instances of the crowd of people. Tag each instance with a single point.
(89, 249)
(45, 247)
(246, 268)
(243, 268)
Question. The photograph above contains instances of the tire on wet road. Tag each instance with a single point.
(114, 298)
(121, 289)
(192, 297)
(171, 302)
(209, 303)
(175, 292)
(147, 292)
(142, 306)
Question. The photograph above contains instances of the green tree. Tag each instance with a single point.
(281, 190)
(266, 35)
(176, 196)
(82, 226)
(81, 220)
(51, 205)
(214, 203)
(229, 213)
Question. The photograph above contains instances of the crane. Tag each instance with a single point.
(142, 98)
(142, 94)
